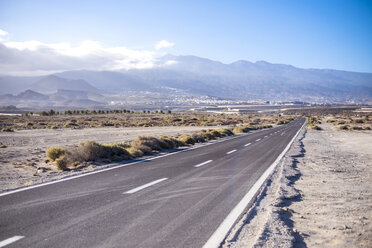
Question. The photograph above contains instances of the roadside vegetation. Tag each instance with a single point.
(90, 151)
(77, 119)
(351, 121)
(313, 122)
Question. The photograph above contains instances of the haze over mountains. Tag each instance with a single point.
(194, 76)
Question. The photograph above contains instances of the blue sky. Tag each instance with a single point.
(307, 34)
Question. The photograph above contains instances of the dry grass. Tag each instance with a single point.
(92, 120)
(91, 151)
(54, 153)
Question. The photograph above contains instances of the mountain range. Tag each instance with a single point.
(191, 75)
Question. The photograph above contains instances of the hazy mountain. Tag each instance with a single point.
(64, 95)
(15, 85)
(200, 76)
(30, 98)
(52, 83)
(108, 81)
(32, 95)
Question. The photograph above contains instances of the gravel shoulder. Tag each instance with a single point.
(22, 162)
(319, 196)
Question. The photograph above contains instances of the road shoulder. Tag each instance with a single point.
(318, 196)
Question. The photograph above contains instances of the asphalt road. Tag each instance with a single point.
(172, 201)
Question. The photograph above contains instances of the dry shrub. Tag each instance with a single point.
(238, 130)
(170, 142)
(61, 163)
(152, 142)
(225, 132)
(215, 133)
(144, 149)
(135, 152)
(356, 128)
(198, 138)
(187, 139)
(7, 129)
(344, 127)
(93, 151)
(207, 135)
(54, 153)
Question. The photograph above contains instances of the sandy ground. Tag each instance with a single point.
(319, 196)
(22, 162)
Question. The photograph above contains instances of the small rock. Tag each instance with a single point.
(294, 230)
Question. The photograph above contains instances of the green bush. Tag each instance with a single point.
(54, 153)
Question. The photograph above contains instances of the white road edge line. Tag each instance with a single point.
(258, 139)
(120, 165)
(224, 228)
(144, 186)
(201, 164)
(247, 144)
(231, 151)
(10, 240)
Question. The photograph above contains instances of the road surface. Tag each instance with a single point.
(177, 200)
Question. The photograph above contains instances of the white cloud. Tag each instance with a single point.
(163, 44)
(3, 33)
(36, 58)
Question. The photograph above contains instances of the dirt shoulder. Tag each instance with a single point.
(22, 162)
(319, 196)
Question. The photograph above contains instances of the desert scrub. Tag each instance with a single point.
(241, 129)
(225, 132)
(152, 142)
(344, 127)
(314, 127)
(93, 151)
(187, 139)
(215, 133)
(61, 163)
(171, 142)
(71, 124)
(198, 138)
(28, 124)
(135, 152)
(7, 129)
(54, 153)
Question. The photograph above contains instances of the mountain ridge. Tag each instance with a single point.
(240, 80)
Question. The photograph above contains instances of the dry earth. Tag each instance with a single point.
(320, 195)
(22, 162)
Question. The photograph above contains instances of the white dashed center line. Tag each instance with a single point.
(10, 240)
(247, 144)
(144, 186)
(258, 139)
(201, 164)
(231, 151)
